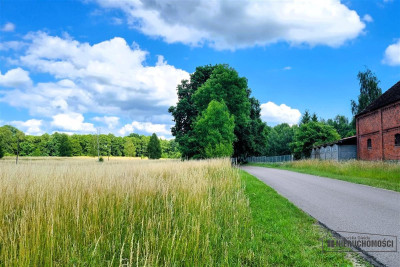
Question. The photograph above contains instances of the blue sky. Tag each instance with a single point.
(74, 66)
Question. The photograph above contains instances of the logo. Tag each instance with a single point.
(363, 241)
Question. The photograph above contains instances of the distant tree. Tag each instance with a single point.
(369, 91)
(306, 118)
(76, 148)
(215, 131)
(129, 148)
(279, 139)
(314, 117)
(64, 146)
(311, 134)
(154, 147)
(342, 126)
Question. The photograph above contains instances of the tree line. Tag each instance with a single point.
(14, 141)
(216, 116)
(311, 131)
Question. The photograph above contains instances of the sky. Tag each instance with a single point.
(78, 66)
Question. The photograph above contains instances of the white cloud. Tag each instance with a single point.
(15, 78)
(31, 127)
(272, 113)
(72, 122)
(287, 68)
(11, 45)
(8, 27)
(148, 127)
(110, 121)
(244, 23)
(392, 54)
(368, 18)
(109, 77)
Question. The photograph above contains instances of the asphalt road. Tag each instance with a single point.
(340, 205)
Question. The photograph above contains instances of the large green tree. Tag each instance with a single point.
(279, 139)
(220, 83)
(342, 126)
(215, 131)
(311, 134)
(154, 147)
(185, 112)
(369, 91)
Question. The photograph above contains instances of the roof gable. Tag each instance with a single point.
(390, 96)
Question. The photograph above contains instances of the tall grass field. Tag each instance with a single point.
(79, 212)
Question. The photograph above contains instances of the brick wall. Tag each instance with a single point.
(380, 126)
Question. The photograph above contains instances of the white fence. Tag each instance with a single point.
(265, 159)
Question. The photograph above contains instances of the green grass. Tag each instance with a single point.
(377, 174)
(283, 234)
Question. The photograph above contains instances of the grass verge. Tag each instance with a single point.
(376, 174)
(285, 235)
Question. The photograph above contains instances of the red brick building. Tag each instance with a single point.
(378, 128)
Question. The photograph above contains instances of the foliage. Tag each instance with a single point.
(185, 112)
(220, 83)
(129, 148)
(101, 159)
(64, 148)
(306, 118)
(342, 126)
(311, 134)
(1, 151)
(369, 91)
(279, 139)
(58, 144)
(154, 147)
(214, 129)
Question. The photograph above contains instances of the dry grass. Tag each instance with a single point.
(58, 212)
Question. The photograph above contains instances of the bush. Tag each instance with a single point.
(101, 159)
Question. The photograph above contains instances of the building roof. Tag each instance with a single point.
(390, 96)
(352, 140)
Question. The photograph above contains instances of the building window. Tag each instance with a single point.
(369, 144)
(397, 140)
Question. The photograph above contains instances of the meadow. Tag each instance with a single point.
(79, 212)
(373, 173)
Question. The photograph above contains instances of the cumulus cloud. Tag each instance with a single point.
(109, 77)
(148, 127)
(15, 78)
(272, 113)
(8, 27)
(392, 54)
(72, 122)
(31, 126)
(110, 121)
(244, 23)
